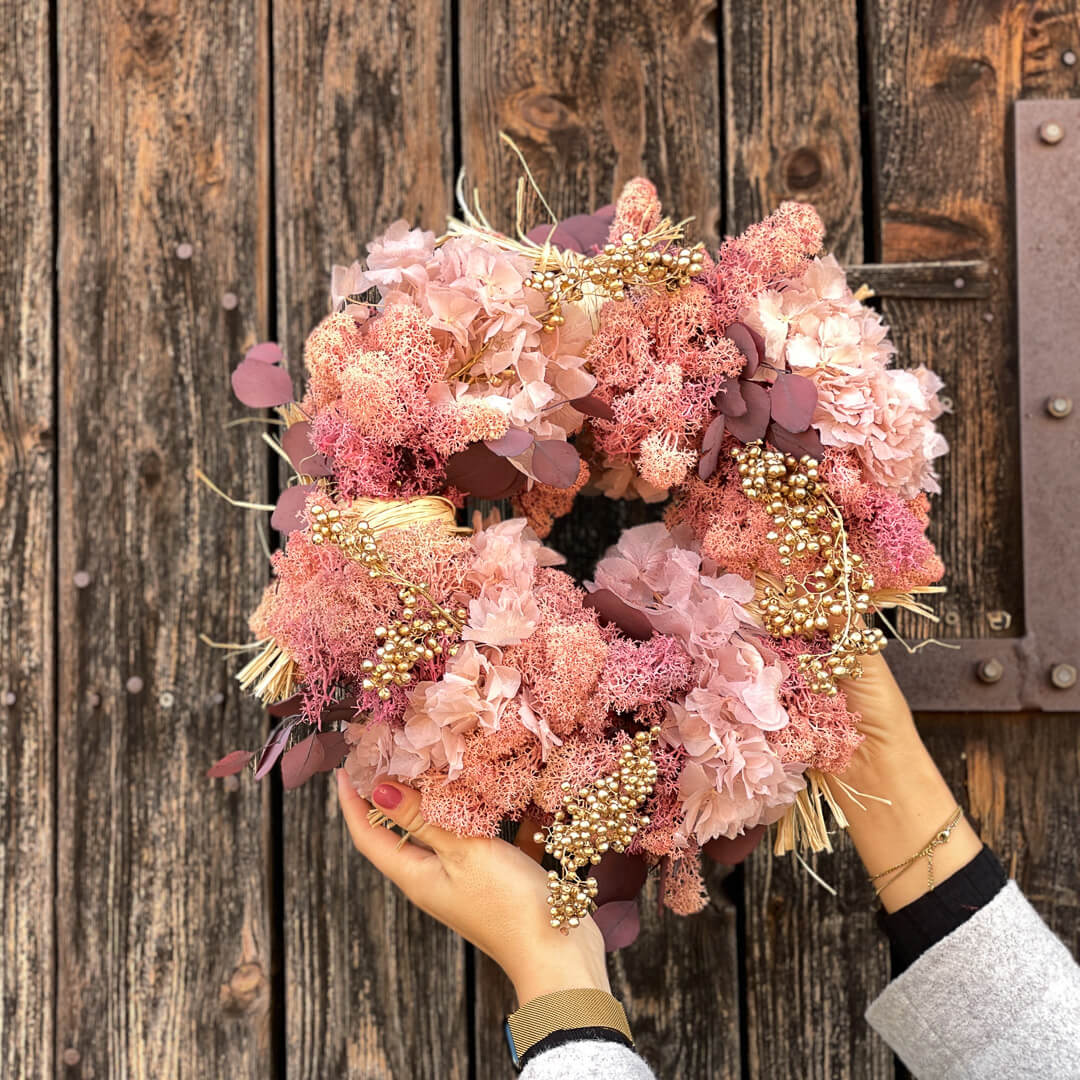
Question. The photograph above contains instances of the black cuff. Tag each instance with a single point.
(917, 926)
(569, 1035)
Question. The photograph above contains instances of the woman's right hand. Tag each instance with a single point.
(490, 892)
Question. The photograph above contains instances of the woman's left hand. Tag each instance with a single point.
(491, 892)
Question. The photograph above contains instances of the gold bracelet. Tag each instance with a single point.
(585, 1007)
(939, 838)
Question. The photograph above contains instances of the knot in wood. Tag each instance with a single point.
(542, 114)
(803, 169)
(245, 991)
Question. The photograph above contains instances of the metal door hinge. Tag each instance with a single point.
(1039, 669)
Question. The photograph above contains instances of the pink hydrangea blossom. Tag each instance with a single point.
(473, 693)
(743, 785)
(815, 324)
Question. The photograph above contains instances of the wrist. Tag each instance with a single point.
(547, 971)
(536, 981)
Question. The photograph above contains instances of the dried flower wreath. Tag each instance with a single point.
(693, 690)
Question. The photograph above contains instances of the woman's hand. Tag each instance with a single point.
(893, 764)
(489, 891)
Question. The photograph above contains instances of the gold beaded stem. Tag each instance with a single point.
(600, 817)
(631, 263)
(410, 638)
(798, 504)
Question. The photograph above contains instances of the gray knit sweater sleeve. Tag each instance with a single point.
(589, 1059)
(1000, 996)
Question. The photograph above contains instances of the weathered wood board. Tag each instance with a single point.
(27, 544)
(163, 929)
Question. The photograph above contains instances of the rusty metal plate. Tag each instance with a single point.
(1038, 670)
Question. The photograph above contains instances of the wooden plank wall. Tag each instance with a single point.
(176, 183)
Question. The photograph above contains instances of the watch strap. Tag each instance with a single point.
(561, 1011)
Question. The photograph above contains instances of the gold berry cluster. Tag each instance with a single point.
(411, 638)
(416, 635)
(604, 816)
(634, 261)
(807, 524)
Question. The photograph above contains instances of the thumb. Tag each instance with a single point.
(401, 804)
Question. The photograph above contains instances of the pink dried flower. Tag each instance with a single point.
(473, 692)
(814, 324)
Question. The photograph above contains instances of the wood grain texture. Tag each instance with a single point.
(27, 544)
(791, 119)
(942, 78)
(363, 135)
(594, 94)
(163, 926)
(792, 127)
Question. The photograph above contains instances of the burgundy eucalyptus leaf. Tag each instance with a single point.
(796, 443)
(619, 922)
(615, 611)
(555, 463)
(288, 707)
(290, 505)
(301, 762)
(581, 232)
(752, 424)
(230, 764)
(260, 385)
(708, 461)
(591, 405)
(749, 343)
(267, 352)
(794, 398)
(336, 715)
(296, 442)
(729, 399)
(731, 852)
(619, 877)
(514, 442)
(321, 751)
(275, 746)
(714, 434)
(478, 471)
(334, 748)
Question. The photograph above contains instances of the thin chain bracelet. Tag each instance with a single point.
(940, 837)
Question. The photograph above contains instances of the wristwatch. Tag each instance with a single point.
(586, 1013)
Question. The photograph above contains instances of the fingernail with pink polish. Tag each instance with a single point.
(386, 796)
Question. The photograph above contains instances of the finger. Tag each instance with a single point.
(405, 865)
(401, 805)
(525, 839)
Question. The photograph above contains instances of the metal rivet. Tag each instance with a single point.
(1051, 133)
(184, 250)
(988, 316)
(134, 685)
(952, 618)
(229, 301)
(217, 698)
(8, 697)
(166, 699)
(1063, 676)
(81, 578)
(93, 699)
(72, 1056)
(1068, 58)
(232, 783)
(989, 671)
(999, 619)
(1059, 407)
(959, 283)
